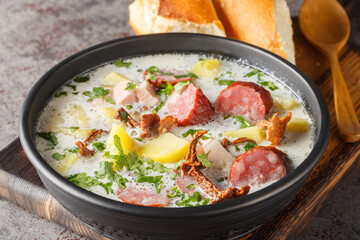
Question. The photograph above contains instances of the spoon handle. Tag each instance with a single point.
(347, 121)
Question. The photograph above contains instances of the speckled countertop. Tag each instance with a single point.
(35, 35)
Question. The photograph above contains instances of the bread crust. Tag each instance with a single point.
(251, 21)
(154, 16)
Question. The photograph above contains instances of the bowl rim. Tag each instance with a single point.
(171, 213)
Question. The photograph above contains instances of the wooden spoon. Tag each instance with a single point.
(326, 25)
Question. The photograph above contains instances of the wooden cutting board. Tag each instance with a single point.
(19, 182)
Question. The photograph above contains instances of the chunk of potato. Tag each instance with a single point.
(298, 125)
(113, 78)
(207, 68)
(69, 161)
(253, 133)
(107, 113)
(167, 148)
(126, 141)
(284, 103)
(76, 133)
(78, 114)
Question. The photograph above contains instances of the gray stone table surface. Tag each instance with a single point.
(35, 35)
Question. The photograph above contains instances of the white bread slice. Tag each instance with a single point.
(264, 23)
(159, 16)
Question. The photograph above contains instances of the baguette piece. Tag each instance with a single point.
(264, 23)
(160, 16)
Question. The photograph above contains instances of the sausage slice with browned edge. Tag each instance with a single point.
(257, 166)
(190, 106)
(165, 78)
(245, 99)
(142, 197)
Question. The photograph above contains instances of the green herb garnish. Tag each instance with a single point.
(249, 146)
(120, 63)
(228, 115)
(219, 180)
(191, 186)
(73, 150)
(83, 180)
(57, 156)
(159, 107)
(271, 85)
(242, 121)
(180, 85)
(129, 107)
(252, 73)
(192, 131)
(188, 75)
(178, 164)
(109, 100)
(73, 87)
(82, 79)
(50, 136)
(203, 158)
(226, 82)
(73, 129)
(130, 86)
(156, 180)
(59, 94)
(165, 89)
(96, 93)
(99, 146)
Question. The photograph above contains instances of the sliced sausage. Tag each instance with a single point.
(142, 197)
(190, 106)
(246, 99)
(163, 78)
(257, 166)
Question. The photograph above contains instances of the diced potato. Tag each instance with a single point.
(76, 133)
(207, 68)
(285, 103)
(107, 113)
(126, 141)
(298, 125)
(78, 114)
(113, 78)
(67, 162)
(167, 148)
(253, 133)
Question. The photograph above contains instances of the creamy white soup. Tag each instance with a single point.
(125, 129)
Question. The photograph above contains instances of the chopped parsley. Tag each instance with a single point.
(188, 75)
(123, 116)
(109, 100)
(192, 186)
(82, 79)
(228, 115)
(99, 146)
(120, 63)
(157, 108)
(158, 167)
(130, 86)
(242, 121)
(249, 146)
(107, 187)
(237, 148)
(226, 82)
(203, 158)
(192, 131)
(219, 180)
(57, 156)
(156, 180)
(73, 129)
(96, 93)
(83, 180)
(180, 85)
(73, 87)
(139, 139)
(165, 89)
(75, 93)
(106, 170)
(59, 94)
(179, 163)
(150, 77)
(129, 107)
(73, 150)
(193, 200)
(176, 192)
(271, 85)
(252, 73)
(50, 136)
(153, 69)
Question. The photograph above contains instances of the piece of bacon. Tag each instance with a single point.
(92, 135)
(167, 123)
(275, 127)
(216, 194)
(129, 121)
(148, 121)
(83, 150)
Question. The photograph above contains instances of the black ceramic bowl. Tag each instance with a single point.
(224, 220)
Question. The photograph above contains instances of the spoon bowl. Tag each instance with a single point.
(326, 25)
